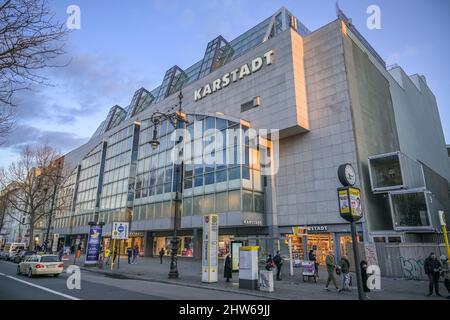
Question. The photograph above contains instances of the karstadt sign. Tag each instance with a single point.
(234, 76)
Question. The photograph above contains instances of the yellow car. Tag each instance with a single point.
(48, 264)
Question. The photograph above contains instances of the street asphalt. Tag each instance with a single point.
(98, 287)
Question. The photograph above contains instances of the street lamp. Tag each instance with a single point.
(174, 117)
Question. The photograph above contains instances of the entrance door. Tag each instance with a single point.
(322, 242)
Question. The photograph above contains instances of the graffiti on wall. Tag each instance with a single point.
(412, 268)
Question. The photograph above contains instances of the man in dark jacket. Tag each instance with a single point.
(330, 270)
(433, 270)
(129, 254)
(279, 263)
(162, 252)
(227, 269)
(345, 269)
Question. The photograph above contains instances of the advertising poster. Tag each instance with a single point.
(344, 206)
(93, 245)
(355, 202)
(235, 255)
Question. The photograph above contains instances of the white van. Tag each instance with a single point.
(12, 248)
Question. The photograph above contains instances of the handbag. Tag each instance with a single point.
(338, 271)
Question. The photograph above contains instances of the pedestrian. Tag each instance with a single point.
(364, 275)
(227, 269)
(433, 270)
(72, 249)
(60, 254)
(129, 254)
(269, 263)
(446, 273)
(313, 257)
(107, 257)
(278, 260)
(115, 255)
(135, 254)
(162, 252)
(345, 270)
(330, 270)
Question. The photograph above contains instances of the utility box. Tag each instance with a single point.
(395, 171)
(248, 267)
(266, 280)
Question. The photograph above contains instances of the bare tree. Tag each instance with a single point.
(28, 185)
(30, 40)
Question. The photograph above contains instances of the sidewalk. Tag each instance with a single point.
(290, 288)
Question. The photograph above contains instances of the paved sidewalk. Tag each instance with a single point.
(290, 288)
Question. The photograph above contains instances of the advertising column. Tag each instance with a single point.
(209, 250)
(93, 245)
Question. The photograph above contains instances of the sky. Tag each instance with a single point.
(125, 45)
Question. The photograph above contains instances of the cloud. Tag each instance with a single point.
(397, 56)
(23, 135)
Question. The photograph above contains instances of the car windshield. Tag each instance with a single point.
(49, 259)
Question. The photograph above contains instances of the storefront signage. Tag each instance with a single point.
(317, 228)
(350, 203)
(252, 222)
(234, 76)
(120, 230)
(210, 244)
(93, 245)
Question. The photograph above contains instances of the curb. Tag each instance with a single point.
(133, 277)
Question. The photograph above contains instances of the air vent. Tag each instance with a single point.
(256, 102)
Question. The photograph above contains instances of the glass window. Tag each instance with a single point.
(221, 202)
(187, 206)
(158, 209)
(247, 201)
(234, 173)
(259, 202)
(198, 181)
(234, 200)
(209, 178)
(197, 205)
(208, 203)
(221, 176)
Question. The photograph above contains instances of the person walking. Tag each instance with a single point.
(269, 263)
(345, 269)
(107, 257)
(278, 260)
(227, 269)
(162, 252)
(329, 261)
(364, 275)
(135, 254)
(446, 273)
(129, 254)
(313, 257)
(433, 270)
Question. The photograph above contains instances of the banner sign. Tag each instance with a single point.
(120, 230)
(210, 245)
(350, 203)
(93, 245)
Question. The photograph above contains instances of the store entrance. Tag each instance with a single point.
(322, 243)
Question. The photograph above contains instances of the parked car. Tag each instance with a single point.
(12, 248)
(47, 264)
(23, 255)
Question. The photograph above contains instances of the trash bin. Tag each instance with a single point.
(266, 280)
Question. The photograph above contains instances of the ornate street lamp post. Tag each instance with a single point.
(175, 118)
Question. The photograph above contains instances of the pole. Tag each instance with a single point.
(291, 258)
(361, 294)
(444, 231)
(49, 222)
(118, 254)
(112, 257)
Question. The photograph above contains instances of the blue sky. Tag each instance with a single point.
(122, 47)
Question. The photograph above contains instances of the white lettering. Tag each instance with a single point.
(257, 64)
(245, 71)
(268, 55)
(206, 90)
(225, 80)
(198, 94)
(234, 74)
(216, 85)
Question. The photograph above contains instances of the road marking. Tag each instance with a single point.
(2, 274)
(44, 288)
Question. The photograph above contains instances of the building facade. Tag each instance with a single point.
(278, 109)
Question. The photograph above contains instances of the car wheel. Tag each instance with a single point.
(18, 270)
(30, 273)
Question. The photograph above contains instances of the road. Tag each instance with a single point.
(99, 287)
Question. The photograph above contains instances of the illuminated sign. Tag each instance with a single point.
(234, 76)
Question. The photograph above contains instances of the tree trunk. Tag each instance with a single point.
(31, 236)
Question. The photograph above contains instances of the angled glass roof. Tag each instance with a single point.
(218, 53)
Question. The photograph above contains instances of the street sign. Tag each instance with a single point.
(210, 244)
(350, 203)
(120, 230)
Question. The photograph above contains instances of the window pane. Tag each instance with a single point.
(221, 176)
(247, 201)
(209, 178)
(187, 206)
(221, 202)
(197, 205)
(234, 200)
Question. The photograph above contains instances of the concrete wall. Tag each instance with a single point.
(418, 123)
(374, 124)
(307, 178)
